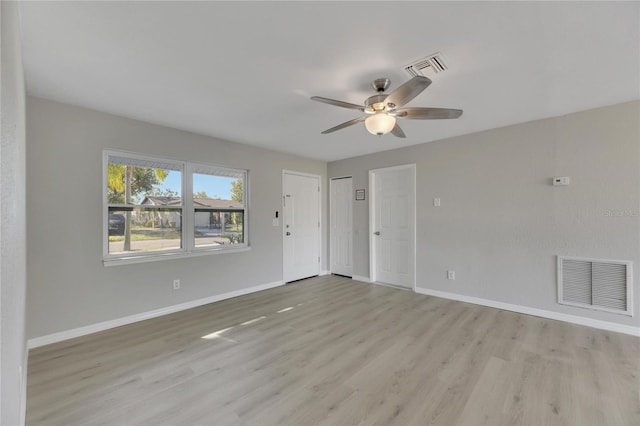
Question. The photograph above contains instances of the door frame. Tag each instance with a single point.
(372, 195)
(283, 230)
(330, 198)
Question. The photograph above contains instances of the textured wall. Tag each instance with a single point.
(501, 223)
(12, 219)
(68, 285)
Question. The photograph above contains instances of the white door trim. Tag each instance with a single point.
(372, 251)
(330, 206)
(293, 172)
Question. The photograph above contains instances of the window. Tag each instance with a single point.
(218, 205)
(149, 215)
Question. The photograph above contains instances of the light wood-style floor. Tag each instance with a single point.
(334, 351)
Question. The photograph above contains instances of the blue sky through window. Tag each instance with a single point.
(214, 186)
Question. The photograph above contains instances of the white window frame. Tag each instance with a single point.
(188, 248)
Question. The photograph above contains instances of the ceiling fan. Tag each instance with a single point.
(382, 110)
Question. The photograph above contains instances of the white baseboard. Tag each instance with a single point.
(360, 278)
(603, 325)
(106, 325)
(325, 273)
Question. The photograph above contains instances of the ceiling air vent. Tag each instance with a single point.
(431, 64)
(603, 285)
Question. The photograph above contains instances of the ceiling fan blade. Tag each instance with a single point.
(428, 113)
(397, 131)
(345, 124)
(337, 103)
(407, 91)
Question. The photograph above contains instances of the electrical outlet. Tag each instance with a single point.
(176, 284)
(451, 275)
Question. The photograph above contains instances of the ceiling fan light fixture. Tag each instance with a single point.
(380, 123)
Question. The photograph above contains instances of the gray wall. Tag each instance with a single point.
(501, 222)
(68, 285)
(12, 220)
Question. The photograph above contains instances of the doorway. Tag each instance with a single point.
(341, 228)
(392, 225)
(301, 225)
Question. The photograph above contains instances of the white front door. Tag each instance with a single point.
(392, 225)
(340, 231)
(301, 226)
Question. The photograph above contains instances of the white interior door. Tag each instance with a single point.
(340, 232)
(392, 224)
(301, 226)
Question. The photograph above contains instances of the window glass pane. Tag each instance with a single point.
(218, 201)
(153, 189)
(223, 188)
(144, 230)
(216, 228)
(143, 182)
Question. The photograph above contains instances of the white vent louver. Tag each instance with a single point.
(431, 64)
(603, 285)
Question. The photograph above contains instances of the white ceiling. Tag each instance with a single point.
(244, 71)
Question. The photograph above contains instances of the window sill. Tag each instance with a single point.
(170, 256)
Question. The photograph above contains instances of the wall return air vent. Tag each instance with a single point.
(603, 285)
(432, 64)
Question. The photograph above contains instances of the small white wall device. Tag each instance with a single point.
(561, 181)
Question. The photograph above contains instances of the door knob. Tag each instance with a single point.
(376, 233)
(288, 233)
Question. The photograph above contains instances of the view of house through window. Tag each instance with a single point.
(218, 203)
(147, 211)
